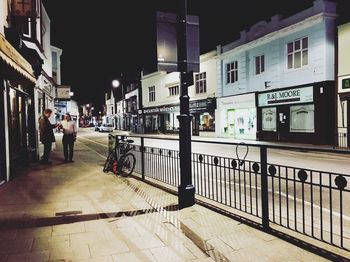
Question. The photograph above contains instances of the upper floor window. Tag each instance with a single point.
(201, 83)
(152, 93)
(298, 53)
(259, 64)
(173, 90)
(232, 72)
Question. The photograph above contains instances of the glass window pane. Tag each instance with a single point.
(290, 61)
(290, 47)
(305, 57)
(257, 65)
(297, 60)
(269, 121)
(262, 66)
(297, 45)
(302, 118)
(305, 42)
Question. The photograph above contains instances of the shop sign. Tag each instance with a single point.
(289, 96)
(162, 109)
(346, 83)
(63, 93)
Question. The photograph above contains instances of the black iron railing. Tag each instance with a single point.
(312, 202)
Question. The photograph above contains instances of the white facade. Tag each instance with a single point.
(280, 45)
(110, 113)
(343, 98)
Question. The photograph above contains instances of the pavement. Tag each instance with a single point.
(75, 212)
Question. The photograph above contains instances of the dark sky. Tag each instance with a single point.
(101, 39)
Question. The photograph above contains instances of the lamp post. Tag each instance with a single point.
(186, 189)
(116, 83)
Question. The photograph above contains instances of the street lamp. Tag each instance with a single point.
(116, 83)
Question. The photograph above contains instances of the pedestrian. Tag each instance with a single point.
(69, 137)
(47, 136)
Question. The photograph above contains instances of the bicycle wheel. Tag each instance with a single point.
(109, 163)
(128, 162)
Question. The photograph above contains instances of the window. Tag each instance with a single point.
(201, 83)
(298, 53)
(259, 64)
(232, 72)
(173, 90)
(302, 118)
(151, 94)
(269, 121)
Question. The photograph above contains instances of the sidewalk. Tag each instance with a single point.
(75, 212)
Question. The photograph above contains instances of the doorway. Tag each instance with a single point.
(282, 123)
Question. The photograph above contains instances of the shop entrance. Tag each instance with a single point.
(195, 125)
(282, 123)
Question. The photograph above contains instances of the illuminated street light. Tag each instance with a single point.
(115, 83)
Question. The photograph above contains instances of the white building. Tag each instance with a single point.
(161, 93)
(343, 99)
(277, 81)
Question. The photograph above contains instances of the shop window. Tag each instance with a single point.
(201, 83)
(297, 52)
(245, 121)
(302, 118)
(232, 72)
(173, 90)
(259, 64)
(207, 122)
(269, 121)
(152, 94)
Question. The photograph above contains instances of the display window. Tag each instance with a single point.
(245, 122)
(269, 121)
(302, 118)
(207, 122)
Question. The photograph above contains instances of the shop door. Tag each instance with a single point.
(282, 123)
(195, 125)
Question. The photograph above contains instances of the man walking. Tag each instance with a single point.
(47, 136)
(69, 137)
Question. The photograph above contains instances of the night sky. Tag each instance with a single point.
(102, 39)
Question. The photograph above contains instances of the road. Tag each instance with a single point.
(312, 207)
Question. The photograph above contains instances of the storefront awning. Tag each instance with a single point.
(14, 59)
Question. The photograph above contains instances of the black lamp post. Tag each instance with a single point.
(186, 189)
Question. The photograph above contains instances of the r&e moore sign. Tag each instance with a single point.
(289, 96)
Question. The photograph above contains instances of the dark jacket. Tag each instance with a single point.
(46, 130)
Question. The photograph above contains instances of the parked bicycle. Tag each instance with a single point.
(120, 161)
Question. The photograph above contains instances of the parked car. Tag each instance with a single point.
(97, 127)
(106, 128)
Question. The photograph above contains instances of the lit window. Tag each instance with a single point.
(297, 53)
(259, 64)
(173, 90)
(201, 83)
(152, 93)
(232, 72)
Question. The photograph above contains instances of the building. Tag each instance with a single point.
(18, 74)
(277, 81)
(343, 79)
(161, 105)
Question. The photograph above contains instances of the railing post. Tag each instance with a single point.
(142, 158)
(264, 188)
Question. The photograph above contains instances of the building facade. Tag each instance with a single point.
(277, 82)
(161, 93)
(343, 78)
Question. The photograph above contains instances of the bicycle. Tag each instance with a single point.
(120, 161)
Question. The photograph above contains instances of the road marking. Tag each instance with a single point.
(102, 156)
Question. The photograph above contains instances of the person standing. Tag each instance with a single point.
(47, 136)
(69, 136)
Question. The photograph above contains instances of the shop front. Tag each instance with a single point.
(17, 112)
(203, 116)
(236, 117)
(300, 114)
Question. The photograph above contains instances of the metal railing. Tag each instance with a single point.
(312, 202)
(342, 141)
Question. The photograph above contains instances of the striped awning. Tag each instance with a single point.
(14, 59)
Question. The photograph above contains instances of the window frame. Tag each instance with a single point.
(201, 83)
(296, 50)
(174, 90)
(151, 93)
(259, 64)
(232, 72)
